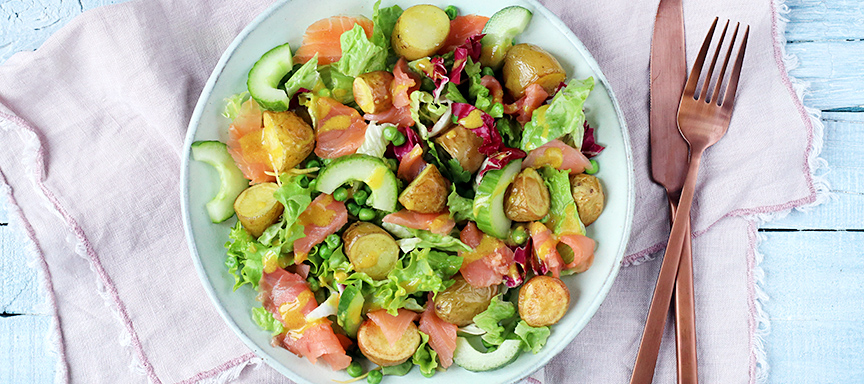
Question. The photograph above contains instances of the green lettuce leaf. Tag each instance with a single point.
(461, 208)
(306, 76)
(449, 167)
(232, 105)
(483, 100)
(267, 321)
(420, 271)
(451, 92)
(510, 130)
(564, 116)
(341, 85)
(384, 19)
(533, 339)
(374, 143)
(425, 111)
(411, 239)
(398, 370)
(295, 198)
(359, 55)
(490, 320)
(425, 357)
(563, 216)
(245, 257)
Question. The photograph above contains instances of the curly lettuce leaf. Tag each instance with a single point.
(267, 321)
(533, 338)
(233, 103)
(384, 19)
(359, 55)
(295, 198)
(411, 239)
(420, 271)
(564, 116)
(245, 257)
(461, 208)
(374, 143)
(510, 130)
(490, 320)
(425, 357)
(425, 111)
(483, 99)
(306, 76)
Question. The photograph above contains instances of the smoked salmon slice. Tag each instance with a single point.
(583, 251)
(322, 37)
(557, 155)
(439, 223)
(339, 129)
(490, 260)
(442, 335)
(322, 217)
(523, 108)
(461, 28)
(393, 327)
(245, 144)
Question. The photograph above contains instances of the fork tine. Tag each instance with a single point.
(725, 65)
(707, 82)
(693, 79)
(729, 98)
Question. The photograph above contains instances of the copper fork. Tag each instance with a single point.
(702, 121)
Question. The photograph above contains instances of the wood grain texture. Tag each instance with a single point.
(811, 20)
(818, 339)
(24, 356)
(843, 149)
(835, 71)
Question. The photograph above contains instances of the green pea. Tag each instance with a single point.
(519, 236)
(595, 167)
(333, 240)
(366, 214)
(326, 162)
(353, 208)
(374, 377)
(325, 251)
(451, 12)
(341, 194)
(313, 184)
(389, 133)
(355, 369)
(399, 139)
(487, 71)
(361, 196)
(313, 283)
(314, 163)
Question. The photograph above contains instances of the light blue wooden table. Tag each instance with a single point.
(813, 262)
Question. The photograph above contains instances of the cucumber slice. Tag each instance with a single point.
(350, 311)
(265, 75)
(489, 200)
(471, 359)
(371, 170)
(500, 30)
(231, 180)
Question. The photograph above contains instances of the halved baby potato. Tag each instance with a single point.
(588, 195)
(371, 249)
(427, 193)
(257, 209)
(543, 301)
(374, 345)
(372, 91)
(420, 31)
(527, 64)
(287, 138)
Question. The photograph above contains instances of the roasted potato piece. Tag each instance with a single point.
(371, 249)
(287, 139)
(372, 91)
(377, 349)
(589, 197)
(427, 193)
(464, 146)
(526, 64)
(420, 31)
(543, 301)
(461, 302)
(257, 209)
(527, 199)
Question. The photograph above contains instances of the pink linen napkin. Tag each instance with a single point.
(93, 123)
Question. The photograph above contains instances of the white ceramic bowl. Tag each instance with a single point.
(286, 21)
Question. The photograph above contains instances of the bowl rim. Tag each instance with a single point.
(265, 355)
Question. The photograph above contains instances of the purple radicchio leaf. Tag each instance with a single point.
(590, 148)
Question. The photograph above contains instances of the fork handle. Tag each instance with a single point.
(685, 313)
(646, 358)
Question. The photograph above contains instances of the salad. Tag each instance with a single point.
(410, 189)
